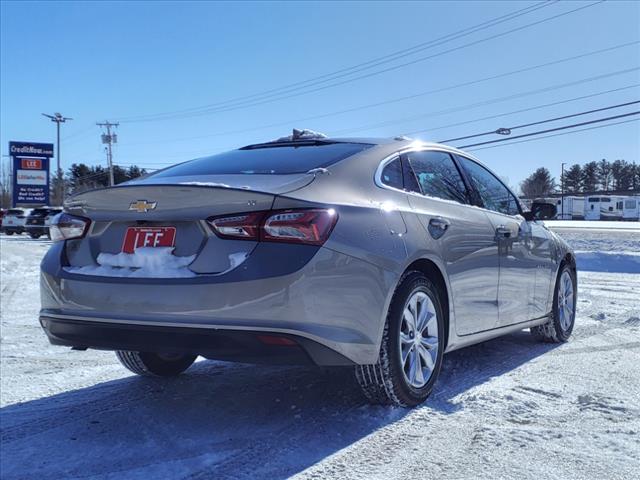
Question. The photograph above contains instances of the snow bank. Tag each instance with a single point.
(592, 225)
(145, 262)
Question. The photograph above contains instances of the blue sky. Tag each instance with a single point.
(116, 60)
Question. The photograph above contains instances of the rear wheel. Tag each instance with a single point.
(34, 235)
(412, 346)
(147, 363)
(9, 232)
(560, 326)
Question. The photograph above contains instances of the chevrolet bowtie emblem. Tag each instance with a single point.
(142, 206)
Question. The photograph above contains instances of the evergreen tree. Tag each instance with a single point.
(622, 174)
(539, 184)
(572, 179)
(604, 174)
(590, 177)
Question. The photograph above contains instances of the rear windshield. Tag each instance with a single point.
(267, 160)
(39, 211)
(15, 212)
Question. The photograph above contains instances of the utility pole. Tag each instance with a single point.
(58, 119)
(109, 139)
(562, 193)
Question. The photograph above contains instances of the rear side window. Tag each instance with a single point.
(494, 194)
(392, 174)
(267, 160)
(438, 176)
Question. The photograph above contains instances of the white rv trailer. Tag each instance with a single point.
(604, 207)
(631, 210)
(570, 208)
(592, 208)
(573, 206)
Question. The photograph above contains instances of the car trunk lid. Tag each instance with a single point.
(179, 210)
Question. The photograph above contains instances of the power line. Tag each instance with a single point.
(486, 102)
(507, 130)
(599, 120)
(397, 99)
(536, 107)
(205, 110)
(555, 135)
(373, 62)
(490, 117)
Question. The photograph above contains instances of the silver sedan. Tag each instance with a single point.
(380, 254)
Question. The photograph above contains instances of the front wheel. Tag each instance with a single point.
(412, 346)
(35, 236)
(559, 327)
(162, 365)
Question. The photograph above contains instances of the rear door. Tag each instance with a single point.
(461, 233)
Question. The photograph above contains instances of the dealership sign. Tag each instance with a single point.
(30, 172)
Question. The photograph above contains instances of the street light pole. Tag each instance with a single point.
(562, 192)
(58, 119)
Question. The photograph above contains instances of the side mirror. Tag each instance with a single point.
(541, 211)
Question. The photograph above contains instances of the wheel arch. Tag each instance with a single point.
(433, 272)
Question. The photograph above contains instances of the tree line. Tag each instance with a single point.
(602, 176)
(81, 177)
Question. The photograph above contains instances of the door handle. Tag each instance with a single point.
(503, 232)
(438, 227)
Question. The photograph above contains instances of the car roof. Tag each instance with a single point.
(402, 143)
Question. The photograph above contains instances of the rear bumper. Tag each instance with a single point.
(39, 229)
(231, 345)
(12, 228)
(329, 299)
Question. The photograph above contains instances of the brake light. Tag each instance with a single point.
(245, 226)
(299, 226)
(306, 226)
(68, 227)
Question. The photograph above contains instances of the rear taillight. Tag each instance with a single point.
(306, 226)
(68, 227)
(245, 226)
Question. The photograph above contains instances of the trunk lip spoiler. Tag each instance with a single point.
(76, 201)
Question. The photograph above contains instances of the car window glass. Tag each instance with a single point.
(438, 176)
(267, 160)
(494, 194)
(392, 174)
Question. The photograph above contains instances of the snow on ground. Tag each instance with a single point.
(508, 408)
(591, 225)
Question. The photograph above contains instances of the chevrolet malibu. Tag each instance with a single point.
(380, 254)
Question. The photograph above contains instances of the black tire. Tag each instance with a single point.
(9, 232)
(153, 364)
(552, 331)
(384, 383)
(35, 236)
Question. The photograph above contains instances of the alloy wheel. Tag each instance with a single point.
(418, 339)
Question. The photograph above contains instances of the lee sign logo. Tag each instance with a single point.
(31, 163)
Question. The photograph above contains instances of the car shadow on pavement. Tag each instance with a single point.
(222, 420)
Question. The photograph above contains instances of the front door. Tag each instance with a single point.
(513, 238)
